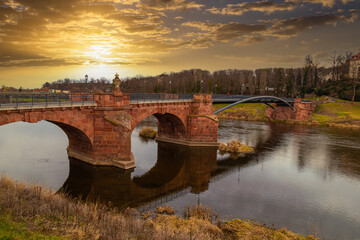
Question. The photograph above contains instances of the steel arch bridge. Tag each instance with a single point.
(237, 99)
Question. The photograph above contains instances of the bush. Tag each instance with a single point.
(235, 147)
(147, 132)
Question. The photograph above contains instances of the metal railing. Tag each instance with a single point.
(159, 97)
(51, 99)
(224, 98)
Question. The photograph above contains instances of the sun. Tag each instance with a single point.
(99, 53)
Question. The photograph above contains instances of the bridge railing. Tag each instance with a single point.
(219, 98)
(159, 97)
(51, 99)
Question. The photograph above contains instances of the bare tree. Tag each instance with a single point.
(332, 61)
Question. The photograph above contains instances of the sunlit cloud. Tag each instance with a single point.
(325, 3)
(147, 34)
(260, 6)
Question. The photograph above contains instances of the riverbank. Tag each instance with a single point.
(34, 212)
(338, 113)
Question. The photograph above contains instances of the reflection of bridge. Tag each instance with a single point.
(178, 171)
(99, 126)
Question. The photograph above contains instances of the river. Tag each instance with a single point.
(306, 179)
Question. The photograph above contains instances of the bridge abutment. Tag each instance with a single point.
(303, 112)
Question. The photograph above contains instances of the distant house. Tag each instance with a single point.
(354, 68)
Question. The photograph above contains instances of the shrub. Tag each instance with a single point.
(235, 147)
(147, 132)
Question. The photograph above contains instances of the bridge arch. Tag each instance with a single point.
(79, 141)
(170, 123)
(252, 99)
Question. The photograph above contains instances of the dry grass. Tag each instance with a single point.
(165, 210)
(235, 146)
(147, 132)
(237, 229)
(40, 210)
(200, 212)
(54, 214)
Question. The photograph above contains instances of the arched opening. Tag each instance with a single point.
(145, 151)
(34, 152)
(78, 141)
(38, 152)
(170, 126)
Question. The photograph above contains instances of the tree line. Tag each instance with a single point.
(310, 79)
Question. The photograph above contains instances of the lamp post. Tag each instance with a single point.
(215, 88)
(170, 85)
(202, 89)
(86, 79)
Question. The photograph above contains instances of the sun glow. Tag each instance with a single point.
(98, 53)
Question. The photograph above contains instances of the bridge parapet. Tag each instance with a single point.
(115, 100)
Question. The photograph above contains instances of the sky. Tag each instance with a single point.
(46, 40)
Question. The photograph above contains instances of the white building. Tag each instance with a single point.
(354, 69)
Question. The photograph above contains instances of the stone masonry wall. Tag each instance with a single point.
(303, 112)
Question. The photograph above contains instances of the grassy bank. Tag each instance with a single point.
(338, 114)
(244, 111)
(334, 114)
(33, 212)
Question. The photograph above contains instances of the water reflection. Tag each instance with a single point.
(176, 169)
(303, 178)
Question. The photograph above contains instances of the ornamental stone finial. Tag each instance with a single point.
(116, 81)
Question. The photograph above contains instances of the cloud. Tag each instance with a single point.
(169, 4)
(203, 26)
(250, 40)
(293, 26)
(325, 3)
(266, 60)
(226, 32)
(233, 30)
(260, 6)
(36, 63)
(73, 32)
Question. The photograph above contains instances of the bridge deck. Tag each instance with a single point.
(36, 101)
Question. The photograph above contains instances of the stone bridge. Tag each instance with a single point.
(99, 129)
(100, 132)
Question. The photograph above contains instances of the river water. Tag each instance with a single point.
(306, 179)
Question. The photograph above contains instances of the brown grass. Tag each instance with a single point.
(165, 210)
(238, 229)
(200, 212)
(45, 211)
(235, 146)
(42, 210)
(147, 132)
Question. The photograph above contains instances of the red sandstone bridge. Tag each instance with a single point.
(99, 126)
